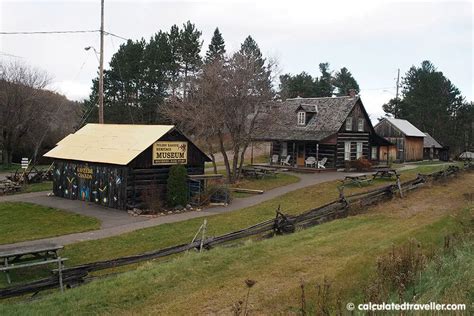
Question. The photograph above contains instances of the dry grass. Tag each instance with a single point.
(343, 251)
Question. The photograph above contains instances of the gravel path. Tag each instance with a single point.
(115, 222)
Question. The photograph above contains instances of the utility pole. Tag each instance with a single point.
(398, 83)
(101, 66)
(396, 94)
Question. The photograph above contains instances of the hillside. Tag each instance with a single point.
(343, 251)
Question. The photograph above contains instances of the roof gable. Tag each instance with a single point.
(429, 141)
(108, 143)
(405, 127)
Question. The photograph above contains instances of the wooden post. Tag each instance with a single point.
(317, 155)
(6, 271)
(204, 226)
(60, 273)
(399, 184)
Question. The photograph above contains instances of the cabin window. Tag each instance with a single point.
(373, 154)
(360, 125)
(347, 150)
(359, 150)
(349, 124)
(301, 118)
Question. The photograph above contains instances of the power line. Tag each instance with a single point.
(47, 32)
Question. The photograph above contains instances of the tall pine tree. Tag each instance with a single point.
(343, 81)
(216, 47)
(190, 47)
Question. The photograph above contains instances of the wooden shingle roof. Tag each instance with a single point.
(331, 114)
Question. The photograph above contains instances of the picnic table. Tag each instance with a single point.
(358, 179)
(385, 173)
(29, 256)
(258, 172)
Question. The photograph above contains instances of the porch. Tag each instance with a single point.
(303, 155)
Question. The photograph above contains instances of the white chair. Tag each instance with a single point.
(310, 162)
(322, 162)
(274, 159)
(285, 161)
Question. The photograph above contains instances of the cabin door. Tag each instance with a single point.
(300, 154)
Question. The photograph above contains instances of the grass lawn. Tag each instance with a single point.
(344, 251)
(25, 221)
(265, 184)
(38, 187)
(257, 159)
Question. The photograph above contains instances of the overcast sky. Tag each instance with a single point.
(371, 38)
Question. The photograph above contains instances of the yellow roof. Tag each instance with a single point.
(108, 143)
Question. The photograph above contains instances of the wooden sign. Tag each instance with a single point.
(24, 163)
(84, 172)
(170, 153)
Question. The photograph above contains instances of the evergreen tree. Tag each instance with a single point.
(323, 84)
(430, 102)
(189, 48)
(301, 85)
(250, 50)
(177, 186)
(216, 47)
(343, 81)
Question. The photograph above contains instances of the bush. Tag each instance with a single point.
(361, 164)
(177, 186)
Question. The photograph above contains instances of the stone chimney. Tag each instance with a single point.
(352, 93)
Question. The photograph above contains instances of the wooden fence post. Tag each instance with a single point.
(399, 184)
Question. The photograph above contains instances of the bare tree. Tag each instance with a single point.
(229, 99)
(27, 111)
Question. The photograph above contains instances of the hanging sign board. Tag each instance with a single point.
(170, 153)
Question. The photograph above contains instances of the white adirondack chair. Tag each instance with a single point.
(285, 161)
(322, 162)
(274, 159)
(310, 162)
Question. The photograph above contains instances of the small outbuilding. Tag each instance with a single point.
(407, 139)
(115, 165)
(432, 149)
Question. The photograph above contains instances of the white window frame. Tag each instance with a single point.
(301, 118)
(359, 150)
(349, 124)
(347, 150)
(373, 154)
(360, 125)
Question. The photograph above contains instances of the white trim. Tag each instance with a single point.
(301, 119)
(349, 123)
(359, 150)
(347, 150)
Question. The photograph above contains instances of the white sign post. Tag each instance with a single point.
(24, 163)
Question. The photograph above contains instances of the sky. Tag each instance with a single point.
(371, 38)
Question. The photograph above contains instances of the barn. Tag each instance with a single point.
(114, 165)
(407, 139)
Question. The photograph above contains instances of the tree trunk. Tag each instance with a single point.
(213, 157)
(226, 159)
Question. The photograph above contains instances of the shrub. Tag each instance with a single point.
(177, 186)
(361, 164)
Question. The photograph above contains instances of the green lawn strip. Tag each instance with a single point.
(37, 187)
(343, 250)
(25, 221)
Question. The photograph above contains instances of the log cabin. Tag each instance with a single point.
(407, 139)
(116, 165)
(336, 129)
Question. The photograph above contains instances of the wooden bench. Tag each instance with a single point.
(30, 256)
(385, 173)
(358, 179)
